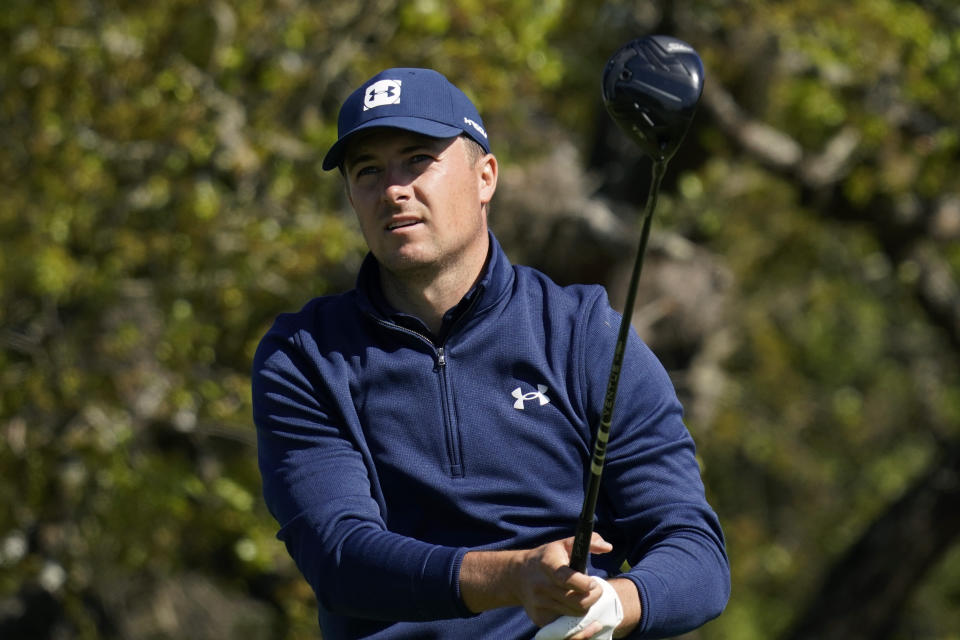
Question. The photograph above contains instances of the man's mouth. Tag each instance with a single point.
(400, 224)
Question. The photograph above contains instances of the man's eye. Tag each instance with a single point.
(420, 157)
(365, 171)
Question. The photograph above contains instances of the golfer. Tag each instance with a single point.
(424, 438)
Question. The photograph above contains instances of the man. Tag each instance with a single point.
(424, 438)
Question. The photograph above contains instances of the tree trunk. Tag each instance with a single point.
(864, 593)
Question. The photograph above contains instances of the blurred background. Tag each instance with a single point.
(161, 200)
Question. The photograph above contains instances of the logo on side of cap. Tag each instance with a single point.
(382, 92)
(476, 126)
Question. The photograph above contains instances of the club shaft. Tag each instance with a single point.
(584, 532)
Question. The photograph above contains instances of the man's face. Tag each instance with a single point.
(420, 200)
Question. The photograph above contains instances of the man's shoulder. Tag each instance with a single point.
(317, 317)
(579, 294)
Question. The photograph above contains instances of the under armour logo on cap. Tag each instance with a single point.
(382, 92)
(430, 105)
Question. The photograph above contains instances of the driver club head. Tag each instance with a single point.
(651, 87)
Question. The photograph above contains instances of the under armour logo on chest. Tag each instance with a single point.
(540, 394)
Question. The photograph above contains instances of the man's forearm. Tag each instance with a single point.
(540, 580)
(492, 579)
(487, 579)
(630, 599)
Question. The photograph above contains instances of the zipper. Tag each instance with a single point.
(450, 429)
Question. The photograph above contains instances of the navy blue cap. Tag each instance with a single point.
(418, 100)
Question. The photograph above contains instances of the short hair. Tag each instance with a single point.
(474, 150)
(474, 154)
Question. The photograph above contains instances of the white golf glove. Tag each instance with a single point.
(607, 610)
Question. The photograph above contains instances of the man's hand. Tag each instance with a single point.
(598, 623)
(549, 588)
(540, 580)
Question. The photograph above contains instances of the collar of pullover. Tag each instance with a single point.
(492, 285)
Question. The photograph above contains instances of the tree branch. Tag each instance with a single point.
(904, 237)
(865, 591)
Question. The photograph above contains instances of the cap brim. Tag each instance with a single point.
(334, 157)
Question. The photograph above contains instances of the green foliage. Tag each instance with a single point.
(839, 387)
(155, 224)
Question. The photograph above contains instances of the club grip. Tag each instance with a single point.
(584, 533)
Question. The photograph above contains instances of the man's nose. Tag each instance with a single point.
(397, 185)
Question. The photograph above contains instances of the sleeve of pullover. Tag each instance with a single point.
(317, 486)
(653, 506)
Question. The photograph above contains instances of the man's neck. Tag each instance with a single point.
(429, 294)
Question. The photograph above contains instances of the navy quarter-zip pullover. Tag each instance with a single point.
(388, 453)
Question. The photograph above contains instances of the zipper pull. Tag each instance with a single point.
(441, 358)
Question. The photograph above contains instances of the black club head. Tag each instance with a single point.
(651, 88)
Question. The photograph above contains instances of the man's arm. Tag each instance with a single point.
(541, 581)
(318, 488)
(632, 610)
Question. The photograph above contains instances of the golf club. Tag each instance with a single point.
(651, 87)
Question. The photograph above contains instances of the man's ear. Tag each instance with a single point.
(487, 176)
